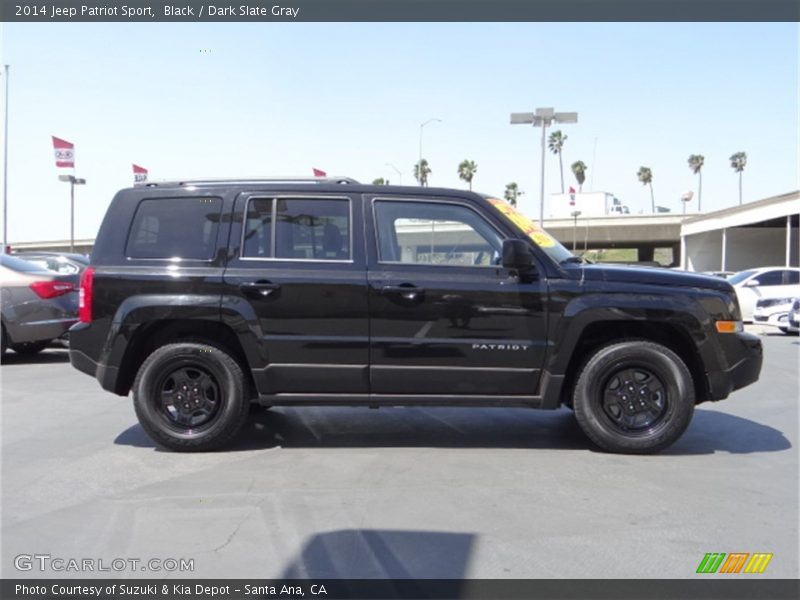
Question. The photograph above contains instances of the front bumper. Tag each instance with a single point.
(744, 354)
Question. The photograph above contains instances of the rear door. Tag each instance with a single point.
(297, 281)
(445, 319)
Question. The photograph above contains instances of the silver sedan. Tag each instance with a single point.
(38, 305)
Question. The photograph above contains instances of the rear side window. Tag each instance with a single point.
(297, 229)
(175, 228)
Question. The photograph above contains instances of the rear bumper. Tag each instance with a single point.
(39, 331)
(745, 355)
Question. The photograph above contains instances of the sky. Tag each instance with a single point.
(197, 100)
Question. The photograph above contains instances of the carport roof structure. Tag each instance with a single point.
(772, 214)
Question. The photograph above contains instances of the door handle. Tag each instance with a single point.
(259, 289)
(408, 292)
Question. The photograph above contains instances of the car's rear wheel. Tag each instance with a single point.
(30, 348)
(634, 397)
(190, 396)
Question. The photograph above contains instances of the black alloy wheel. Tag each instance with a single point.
(191, 396)
(634, 397)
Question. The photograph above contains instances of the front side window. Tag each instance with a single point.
(431, 233)
(297, 229)
(175, 228)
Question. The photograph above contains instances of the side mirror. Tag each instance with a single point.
(518, 256)
(752, 283)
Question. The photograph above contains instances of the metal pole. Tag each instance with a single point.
(5, 168)
(419, 164)
(541, 194)
(788, 240)
(724, 249)
(72, 215)
(575, 234)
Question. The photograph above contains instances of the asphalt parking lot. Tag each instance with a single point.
(427, 493)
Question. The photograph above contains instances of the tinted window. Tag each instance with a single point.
(792, 277)
(312, 229)
(770, 278)
(175, 227)
(435, 234)
(258, 228)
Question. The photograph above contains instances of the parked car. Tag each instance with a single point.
(206, 296)
(38, 305)
(66, 263)
(775, 311)
(752, 284)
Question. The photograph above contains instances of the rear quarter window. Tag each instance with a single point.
(175, 228)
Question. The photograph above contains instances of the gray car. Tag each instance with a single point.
(38, 305)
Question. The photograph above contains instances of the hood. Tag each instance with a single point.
(648, 275)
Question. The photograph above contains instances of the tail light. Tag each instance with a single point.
(52, 289)
(85, 296)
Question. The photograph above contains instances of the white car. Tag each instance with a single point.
(766, 282)
(775, 312)
(794, 316)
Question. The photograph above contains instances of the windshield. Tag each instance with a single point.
(539, 236)
(740, 276)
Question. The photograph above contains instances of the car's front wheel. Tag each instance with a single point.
(634, 397)
(190, 396)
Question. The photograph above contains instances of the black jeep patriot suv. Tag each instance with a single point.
(206, 296)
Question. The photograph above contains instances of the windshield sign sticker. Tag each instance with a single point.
(531, 229)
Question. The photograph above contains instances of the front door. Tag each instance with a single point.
(445, 318)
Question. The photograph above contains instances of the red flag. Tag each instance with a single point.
(318, 173)
(139, 174)
(65, 153)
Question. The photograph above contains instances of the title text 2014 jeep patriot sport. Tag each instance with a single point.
(206, 296)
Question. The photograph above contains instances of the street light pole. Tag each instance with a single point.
(543, 117)
(575, 214)
(5, 166)
(73, 181)
(419, 164)
(399, 173)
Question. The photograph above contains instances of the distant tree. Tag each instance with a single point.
(579, 169)
(645, 175)
(556, 144)
(421, 172)
(512, 193)
(738, 163)
(696, 165)
(380, 181)
(467, 170)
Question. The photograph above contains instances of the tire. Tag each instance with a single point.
(190, 396)
(655, 376)
(30, 348)
(3, 340)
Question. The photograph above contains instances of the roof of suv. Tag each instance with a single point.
(326, 184)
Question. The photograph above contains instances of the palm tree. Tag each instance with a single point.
(512, 193)
(380, 181)
(696, 164)
(556, 143)
(579, 169)
(421, 172)
(645, 175)
(738, 163)
(467, 170)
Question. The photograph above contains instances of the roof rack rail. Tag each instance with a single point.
(229, 180)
